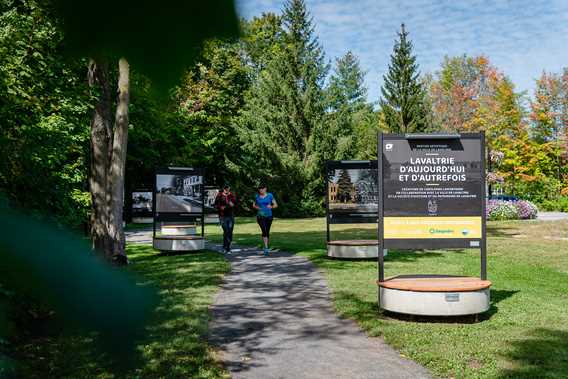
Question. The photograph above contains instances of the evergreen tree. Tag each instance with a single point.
(346, 85)
(281, 122)
(346, 102)
(344, 186)
(403, 102)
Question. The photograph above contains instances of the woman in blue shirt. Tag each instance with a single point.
(264, 203)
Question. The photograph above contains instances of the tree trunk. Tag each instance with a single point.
(108, 160)
(118, 162)
(101, 133)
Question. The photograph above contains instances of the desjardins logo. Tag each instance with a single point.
(441, 231)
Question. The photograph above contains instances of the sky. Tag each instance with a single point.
(520, 37)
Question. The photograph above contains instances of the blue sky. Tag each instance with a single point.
(521, 37)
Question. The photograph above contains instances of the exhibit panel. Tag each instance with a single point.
(211, 214)
(432, 196)
(142, 200)
(351, 199)
(179, 210)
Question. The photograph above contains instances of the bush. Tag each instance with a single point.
(560, 204)
(511, 210)
(526, 209)
(501, 210)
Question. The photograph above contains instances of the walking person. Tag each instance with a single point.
(264, 203)
(226, 202)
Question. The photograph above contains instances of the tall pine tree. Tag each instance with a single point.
(283, 115)
(346, 104)
(346, 85)
(403, 102)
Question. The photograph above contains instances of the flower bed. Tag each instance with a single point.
(510, 210)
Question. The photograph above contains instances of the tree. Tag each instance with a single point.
(346, 103)
(469, 94)
(280, 126)
(207, 102)
(403, 97)
(44, 108)
(160, 47)
(344, 187)
(346, 88)
(549, 116)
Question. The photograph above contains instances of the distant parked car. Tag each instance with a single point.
(504, 197)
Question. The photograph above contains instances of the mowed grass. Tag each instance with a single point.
(523, 335)
(174, 341)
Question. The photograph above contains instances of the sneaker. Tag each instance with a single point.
(228, 252)
(266, 251)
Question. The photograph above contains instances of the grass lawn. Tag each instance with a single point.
(524, 334)
(174, 342)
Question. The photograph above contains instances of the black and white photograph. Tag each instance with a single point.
(142, 204)
(353, 191)
(179, 193)
(210, 196)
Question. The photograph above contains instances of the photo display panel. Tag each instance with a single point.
(352, 192)
(179, 193)
(142, 203)
(432, 191)
(211, 193)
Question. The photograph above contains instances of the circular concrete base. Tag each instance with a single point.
(179, 243)
(353, 249)
(142, 220)
(178, 230)
(211, 219)
(434, 295)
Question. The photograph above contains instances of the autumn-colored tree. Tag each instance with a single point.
(470, 94)
(549, 119)
(549, 108)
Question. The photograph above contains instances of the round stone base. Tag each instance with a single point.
(142, 220)
(175, 243)
(178, 230)
(353, 249)
(211, 219)
(434, 295)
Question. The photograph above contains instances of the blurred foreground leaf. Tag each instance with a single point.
(160, 39)
(58, 268)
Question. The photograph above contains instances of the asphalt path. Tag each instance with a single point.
(273, 318)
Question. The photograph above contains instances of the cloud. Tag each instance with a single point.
(522, 37)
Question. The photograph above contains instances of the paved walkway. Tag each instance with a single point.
(273, 318)
(552, 216)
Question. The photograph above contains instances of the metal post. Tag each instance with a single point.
(202, 203)
(154, 200)
(328, 232)
(483, 210)
(380, 209)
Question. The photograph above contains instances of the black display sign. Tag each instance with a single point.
(432, 188)
(178, 194)
(142, 203)
(352, 192)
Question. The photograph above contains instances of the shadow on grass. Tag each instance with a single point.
(502, 231)
(542, 354)
(314, 244)
(174, 340)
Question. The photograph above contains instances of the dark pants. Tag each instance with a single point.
(227, 223)
(265, 223)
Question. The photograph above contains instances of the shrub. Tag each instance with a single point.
(559, 204)
(526, 209)
(501, 210)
